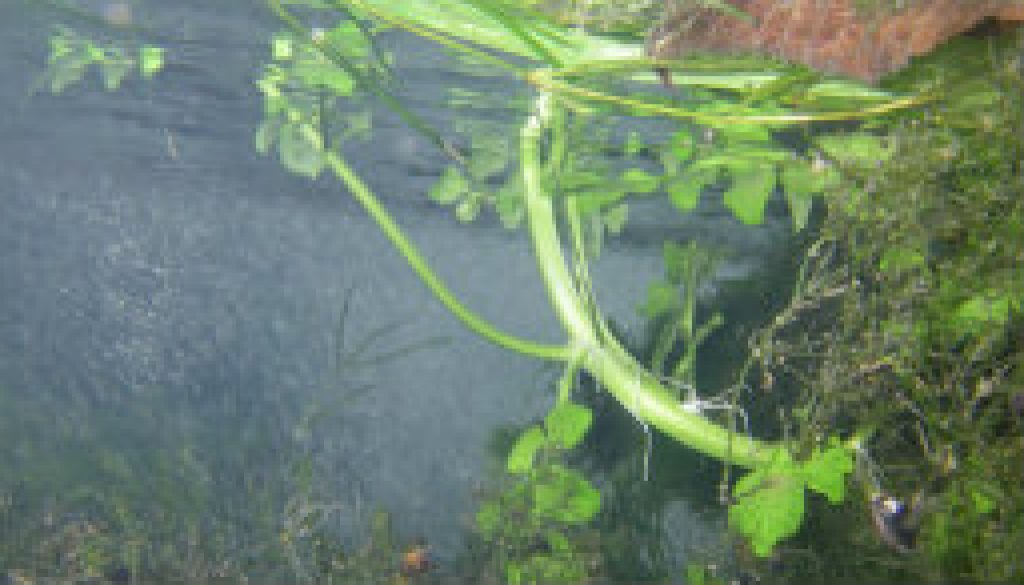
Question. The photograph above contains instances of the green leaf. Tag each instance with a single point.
(324, 75)
(900, 259)
(615, 218)
(857, 147)
(751, 187)
(800, 204)
(808, 176)
(590, 203)
(520, 459)
(734, 133)
(687, 264)
(357, 124)
(514, 573)
(801, 181)
(349, 39)
(826, 471)
(558, 542)
(282, 47)
(488, 518)
(983, 497)
(682, 145)
(633, 143)
(299, 153)
(580, 180)
(490, 155)
(450, 188)
(565, 496)
(638, 181)
(991, 307)
(114, 71)
(509, 203)
(770, 507)
(267, 134)
(684, 191)
(468, 209)
(662, 298)
(66, 72)
(567, 423)
(151, 61)
(695, 574)
(746, 156)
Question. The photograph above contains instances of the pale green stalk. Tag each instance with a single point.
(635, 388)
(416, 261)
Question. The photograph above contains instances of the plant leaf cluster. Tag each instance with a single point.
(536, 524)
(769, 504)
(72, 55)
(302, 91)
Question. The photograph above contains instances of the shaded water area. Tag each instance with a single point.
(199, 350)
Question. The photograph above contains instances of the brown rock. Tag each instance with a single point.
(834, 36)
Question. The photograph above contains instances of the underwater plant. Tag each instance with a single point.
(917, 333)
(533, 526)
(749, 124)
(726, 133)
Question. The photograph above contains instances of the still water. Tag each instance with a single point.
(211, 349)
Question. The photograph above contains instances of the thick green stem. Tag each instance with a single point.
(635, 388)
(476, 323)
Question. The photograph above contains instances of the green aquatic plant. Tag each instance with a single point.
(535, 525)
(770, 500)
(739, 104)
(72, 55)
(303, 87)
(673, 301)
(732, 123)
(728, 134)
(918, 334)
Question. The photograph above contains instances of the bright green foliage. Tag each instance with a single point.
(520, 459)
(452, 187)
(536, 522)
(71, 56)
(151, 60)
(770, 500)
(801, 182)
(749, 192)
(919, 330)
(565, 496)
(469, 188)
(854, 148)
(747, 156)
(825, 472)
(567, 423)
(302, 91)
(769, 505)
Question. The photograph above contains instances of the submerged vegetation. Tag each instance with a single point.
(923, 341)
(896, 367)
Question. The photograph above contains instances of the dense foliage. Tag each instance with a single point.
(919, 336)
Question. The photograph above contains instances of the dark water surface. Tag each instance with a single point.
(165, 287)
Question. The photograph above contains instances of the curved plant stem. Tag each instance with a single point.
(476, 323)
(635, 388)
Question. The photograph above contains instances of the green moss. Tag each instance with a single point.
(920, 335)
